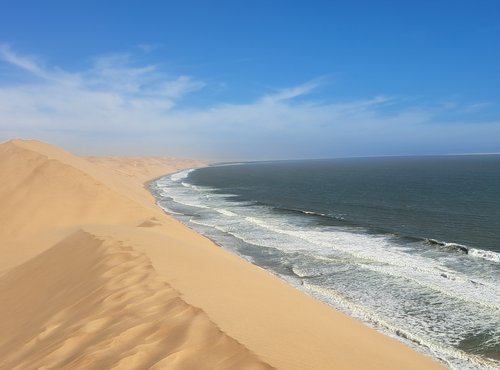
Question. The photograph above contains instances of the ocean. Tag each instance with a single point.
(408, 245)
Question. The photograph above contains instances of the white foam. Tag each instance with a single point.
(393, 261)
(186, 203)
(181, 175)
(375, 253)
(225, 212)
(454, 358)
(168, 210)
(197, 222)
(487, 255)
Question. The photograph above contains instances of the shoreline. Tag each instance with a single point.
(130, 272)
(448, 356)
(371, 325)
(383, 329)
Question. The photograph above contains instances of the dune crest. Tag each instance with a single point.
(102, 305)
(48, 189)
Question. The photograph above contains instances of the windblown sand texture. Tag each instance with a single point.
(93, 275)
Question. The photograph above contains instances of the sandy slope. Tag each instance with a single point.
(94, 275)
(92, 302)
(144, 169)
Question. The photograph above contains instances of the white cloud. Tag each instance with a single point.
(23, 62)
(291, 93)
(116, 106)
(148, 48)
(111, 93)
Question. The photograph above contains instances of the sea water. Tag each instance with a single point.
(408, 245)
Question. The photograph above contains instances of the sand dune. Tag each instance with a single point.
(46, 189)
(144, 169)
(101, 305)
(94, 276)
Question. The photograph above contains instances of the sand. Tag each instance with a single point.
(93, 275)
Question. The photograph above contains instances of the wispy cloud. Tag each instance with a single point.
(292, 92)
(115, 105)
(148, 48)
(23, 62)
(110, 93)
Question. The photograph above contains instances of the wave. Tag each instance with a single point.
(306, 212)
(378, 254)
(188, 203)
(169, 211)
(449, 246)
(490, 256)
(181, 175)
(474, 252)
(487, 255)
(300, 211)
(190, 186)
(225, 212)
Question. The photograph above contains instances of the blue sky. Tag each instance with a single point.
(252, 79)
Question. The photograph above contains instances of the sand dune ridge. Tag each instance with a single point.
(102, 305)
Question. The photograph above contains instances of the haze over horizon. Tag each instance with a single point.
(263, 80)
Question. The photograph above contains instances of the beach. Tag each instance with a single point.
(93, 274)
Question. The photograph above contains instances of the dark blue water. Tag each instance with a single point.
(411, 246)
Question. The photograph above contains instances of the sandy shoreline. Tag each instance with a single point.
(94, 275)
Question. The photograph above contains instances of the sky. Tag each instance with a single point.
(250, 80)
